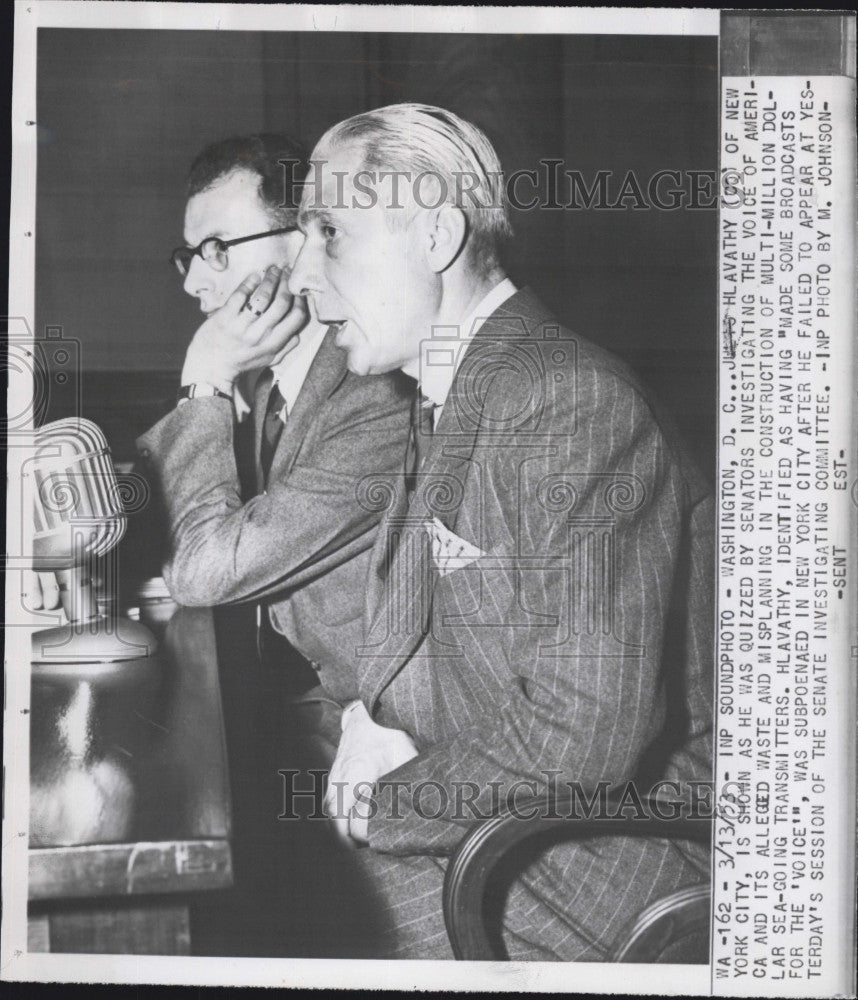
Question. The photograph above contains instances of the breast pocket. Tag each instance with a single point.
(477, 594)
(502, 590)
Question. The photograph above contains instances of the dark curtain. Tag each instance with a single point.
(122, 113)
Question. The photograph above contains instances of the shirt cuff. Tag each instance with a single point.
(347, 711)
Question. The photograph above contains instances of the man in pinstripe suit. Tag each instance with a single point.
(540, 598)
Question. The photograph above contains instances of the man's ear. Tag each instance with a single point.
(447, 231)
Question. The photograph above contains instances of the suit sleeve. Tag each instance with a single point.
(586, 702)
(224, 551)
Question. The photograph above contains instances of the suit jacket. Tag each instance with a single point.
(577, 646)
(305, 543)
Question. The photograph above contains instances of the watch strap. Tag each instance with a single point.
(196, 389)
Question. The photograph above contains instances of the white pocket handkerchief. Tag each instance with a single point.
(449, 552)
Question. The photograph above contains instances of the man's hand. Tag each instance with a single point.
(256, 327)
(41, 591)
(366, 752)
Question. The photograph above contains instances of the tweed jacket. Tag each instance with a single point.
(304, 544)
(542, 610)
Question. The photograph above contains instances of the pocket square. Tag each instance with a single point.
(449, 552)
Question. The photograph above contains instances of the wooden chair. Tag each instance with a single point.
(674, 929)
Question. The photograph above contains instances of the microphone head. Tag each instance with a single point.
(78, 505)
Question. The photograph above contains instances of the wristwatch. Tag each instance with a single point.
(196, 389)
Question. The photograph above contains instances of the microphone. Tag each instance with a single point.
(79, 516)
(93, 676)
(78, 512)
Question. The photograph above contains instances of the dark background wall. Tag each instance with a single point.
(122, 113)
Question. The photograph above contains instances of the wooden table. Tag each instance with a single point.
(132, 897)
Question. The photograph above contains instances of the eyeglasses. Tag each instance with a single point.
(214, 251)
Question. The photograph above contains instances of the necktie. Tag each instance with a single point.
(274, 650)
(272, 423)
(419, 439)
(422, 427)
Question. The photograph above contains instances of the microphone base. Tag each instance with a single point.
(104, 651)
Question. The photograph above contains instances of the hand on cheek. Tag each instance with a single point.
(256, 327)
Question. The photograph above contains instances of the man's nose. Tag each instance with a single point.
(304, 278)
(198, 280)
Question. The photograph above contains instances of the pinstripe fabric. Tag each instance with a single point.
(305, 542)
(580, 642)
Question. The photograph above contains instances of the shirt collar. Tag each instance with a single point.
(441, 355)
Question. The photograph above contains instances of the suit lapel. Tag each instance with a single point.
(439, 491)
(378, 574)
(470, 414)
(324, 376)
(399, 600)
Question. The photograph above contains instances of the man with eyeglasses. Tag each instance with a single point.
(257, 468)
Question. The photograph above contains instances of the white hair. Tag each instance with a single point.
(423, 141)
